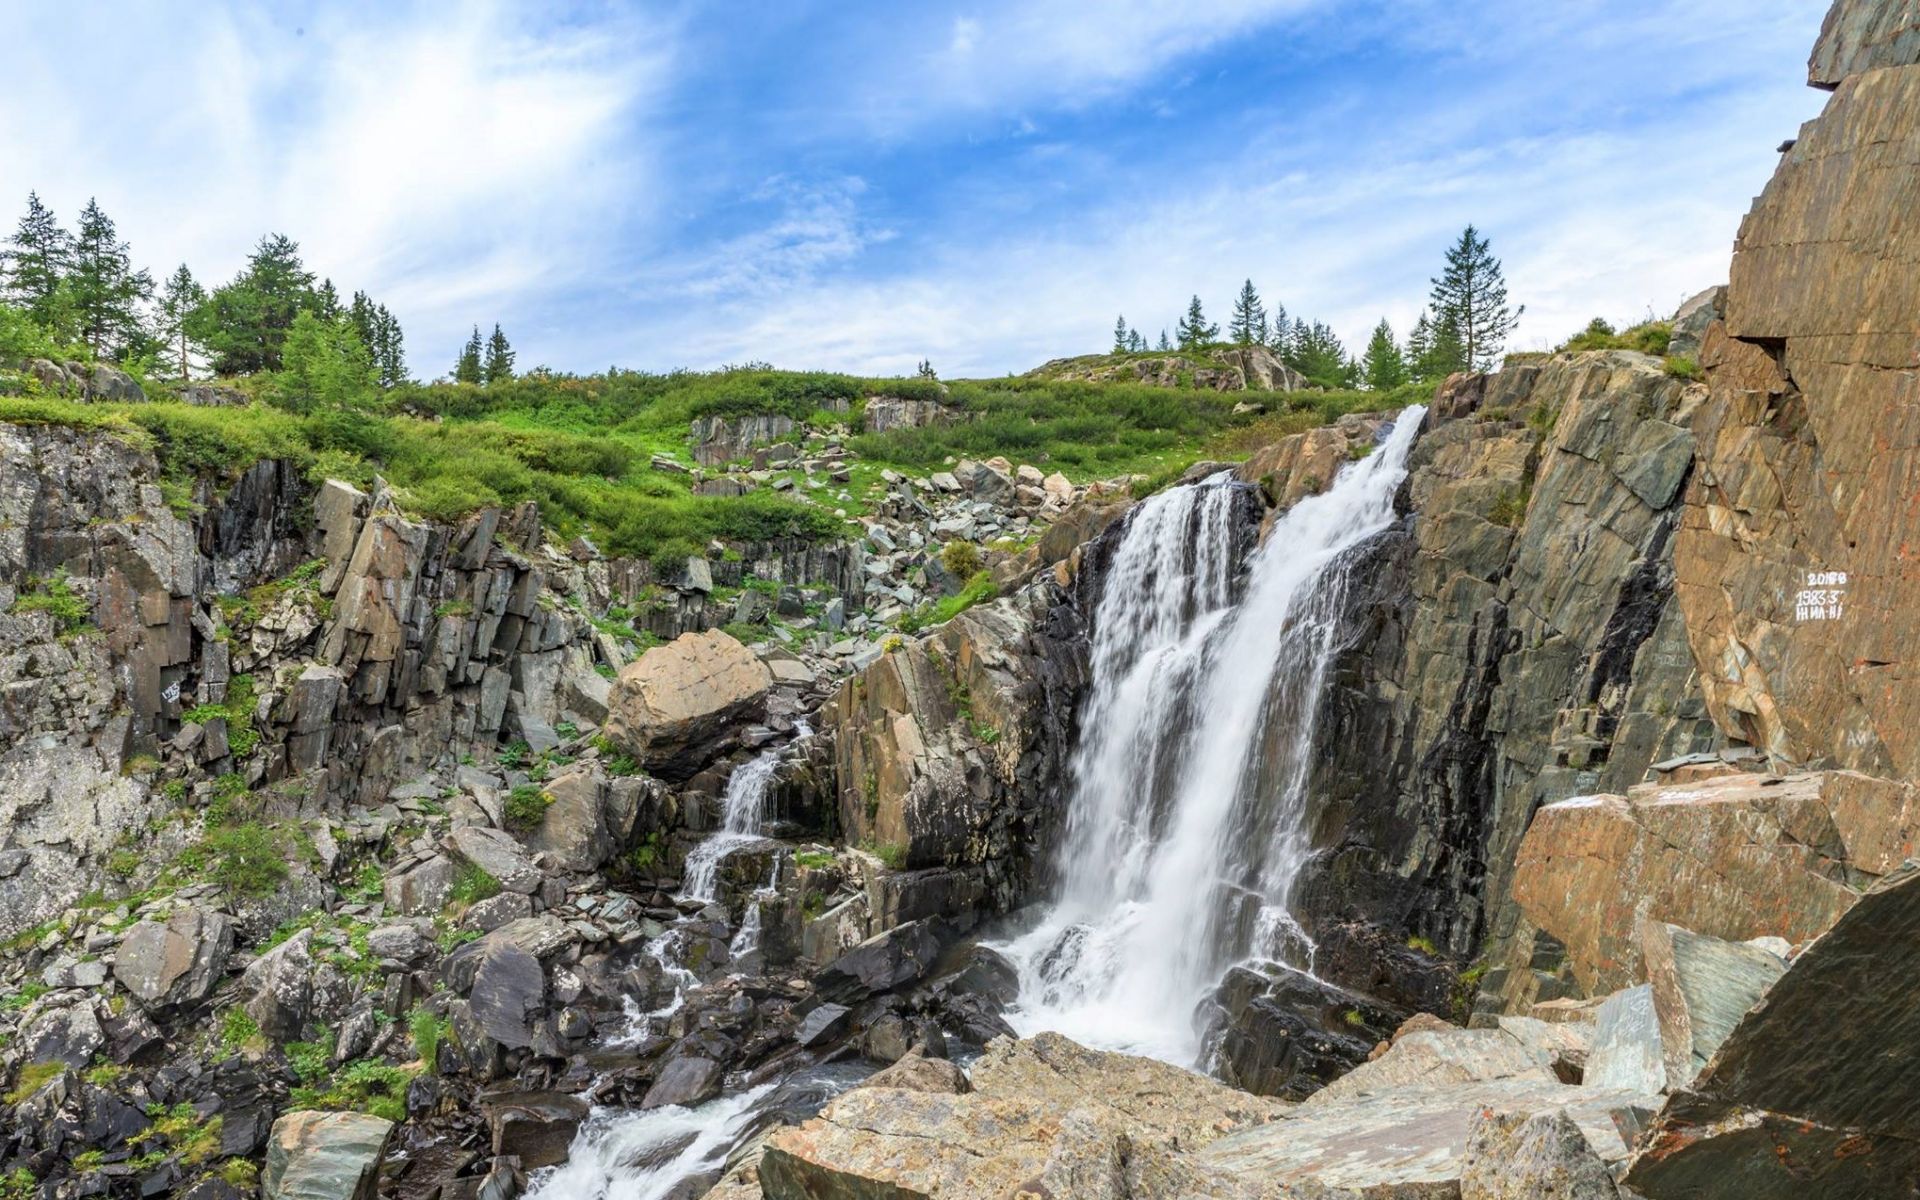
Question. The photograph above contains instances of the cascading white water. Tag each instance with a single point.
(1187, 822)
(740, 823)
(618, 1155)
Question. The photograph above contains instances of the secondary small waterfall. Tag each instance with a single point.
(1188, 820)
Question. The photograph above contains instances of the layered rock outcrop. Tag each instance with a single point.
(1793, 564)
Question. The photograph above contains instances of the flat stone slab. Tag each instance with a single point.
(1408, 1138)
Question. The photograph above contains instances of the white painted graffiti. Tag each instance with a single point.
(1823, 598)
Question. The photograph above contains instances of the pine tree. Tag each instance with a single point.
(106, 291)
(1419, 346)
(1382, 366)
(1277, 339)
(1472, 290)
(468, 369)
(389, 349)
(1249, 322)
(361, 312)
(41, 254)
(325, 365)
(327, 300)
(925, 369)
(1164, 343)
(499, 364)
(1318, 354)
(1135, 342)
(1122, 341)
(1448, 351)
(244, 323)
(1193, 330)
(179, 296)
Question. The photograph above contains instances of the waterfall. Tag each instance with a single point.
(618, 1155)
(740, 824)
(1188, 820)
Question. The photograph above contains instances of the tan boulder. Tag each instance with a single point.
(674, 708)
(1734, 857)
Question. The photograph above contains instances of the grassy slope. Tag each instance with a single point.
(580, 446)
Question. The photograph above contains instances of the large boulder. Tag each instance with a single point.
(1817, 1089)
(1532, 1156)
(1702, 986)
(178, 961)
(1045, 1117)
(324, 1156)
(675, 707)
(278, 988)
(1737, 856)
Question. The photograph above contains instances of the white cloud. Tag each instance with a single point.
(455, 163)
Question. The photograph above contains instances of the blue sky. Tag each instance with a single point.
(858, 186)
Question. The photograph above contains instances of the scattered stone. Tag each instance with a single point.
(324, 1156)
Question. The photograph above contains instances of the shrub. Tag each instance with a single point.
(527, 806)
(248, 859)
(54, 596)
(960, 558)
(1681, 366)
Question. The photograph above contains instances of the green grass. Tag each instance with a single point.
(892, 855)
(428, 1031)
(54, 596)
(1648, 337)
(978, 590)
(31, 1079)
(472, 884)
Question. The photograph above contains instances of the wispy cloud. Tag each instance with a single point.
(858, 186)
(453, 160)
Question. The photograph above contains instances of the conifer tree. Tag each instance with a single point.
(179, 297)
(1164, 343)
(361, 312)
(925, 369)
(1135, 342)
(39, 256)
(469, 369)
(1472, 291)
(1120, 339)
(1277, 339)
(1249, 322)
(244, 323)
(1419, 346)
(106, 291)
(499, 364)
(1382, 366)
(1193, 330)
(1447, 352)
(327, 300)
(389, 349)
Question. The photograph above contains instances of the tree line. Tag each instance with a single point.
(81, 289)
(1463, 327)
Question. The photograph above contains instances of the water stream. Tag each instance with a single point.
(1188, 821)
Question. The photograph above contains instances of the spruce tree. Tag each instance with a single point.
(499, 364)
(1277, 339)
(1473, 292)
(389, 349)
(1164, 343)
(327, 300)
(469, 369)
(1382, 366)
(106, 291)
(1419, 346)
(1193, 330)
(1318, 354)
(1249, 322)
(361, 312)
(39, 257)
(925, 370)
(179, 297)
(1448, 351)
(1135, 342)
(244, 323)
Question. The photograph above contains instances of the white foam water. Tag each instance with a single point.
(624, 1155)
(1188, 820)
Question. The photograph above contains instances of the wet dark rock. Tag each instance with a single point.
(686, 1080)
(535, 1127)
